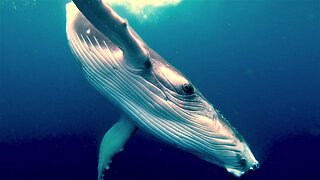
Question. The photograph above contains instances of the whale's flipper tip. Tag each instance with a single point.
(113, 142)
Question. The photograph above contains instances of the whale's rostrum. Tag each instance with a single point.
(153, 95)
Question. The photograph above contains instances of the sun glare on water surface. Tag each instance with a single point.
(143, 8)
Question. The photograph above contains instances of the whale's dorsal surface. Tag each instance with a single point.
(153, 95)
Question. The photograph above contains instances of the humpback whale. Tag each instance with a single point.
(152, 94)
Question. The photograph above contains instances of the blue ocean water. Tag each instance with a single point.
(257, 61)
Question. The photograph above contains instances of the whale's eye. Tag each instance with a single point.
(243, 161)
(188, 89)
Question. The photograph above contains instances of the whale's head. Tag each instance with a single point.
(158, 98)
(196, 126)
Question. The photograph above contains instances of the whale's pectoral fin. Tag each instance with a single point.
(113, 142)
(117, 29)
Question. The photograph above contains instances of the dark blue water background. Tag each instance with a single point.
(258, 62)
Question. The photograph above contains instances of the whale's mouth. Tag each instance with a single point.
(239, 173)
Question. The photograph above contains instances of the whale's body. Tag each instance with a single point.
(153, 95)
